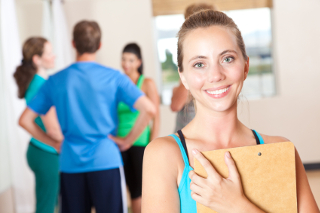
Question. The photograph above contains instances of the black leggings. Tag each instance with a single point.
(132, 159)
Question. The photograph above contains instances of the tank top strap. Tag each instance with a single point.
(140, 81)
(258, 137)
(182, 149)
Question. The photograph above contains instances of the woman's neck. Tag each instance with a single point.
(42, 72)
(216, 127)
(134, 76)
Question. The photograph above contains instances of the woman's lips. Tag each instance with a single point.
(218, 93)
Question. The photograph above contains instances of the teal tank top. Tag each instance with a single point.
(32, 90)
(187, 204)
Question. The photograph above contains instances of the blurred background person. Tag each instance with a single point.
(42, 158)
(86, 96)
(181, 101)
(132, 65)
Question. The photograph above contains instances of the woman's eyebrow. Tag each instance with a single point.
(198, 56)
(226, 51)
(205, 57)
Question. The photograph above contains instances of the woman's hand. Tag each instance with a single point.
(122, 143)
(218, 193)
(57, 146)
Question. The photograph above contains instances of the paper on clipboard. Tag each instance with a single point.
(268, 178)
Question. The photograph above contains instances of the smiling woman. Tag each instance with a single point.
(213, 66)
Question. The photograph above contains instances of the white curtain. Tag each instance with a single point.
(16, 139)
(61, 37)
(47, 24)
(55, 29)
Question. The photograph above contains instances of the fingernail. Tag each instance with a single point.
(228, 155)
(195, 151)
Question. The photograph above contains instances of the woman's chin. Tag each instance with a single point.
(221, 107)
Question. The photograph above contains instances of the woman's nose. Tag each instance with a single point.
(216, 74)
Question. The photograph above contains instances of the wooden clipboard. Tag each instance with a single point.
(268, 178)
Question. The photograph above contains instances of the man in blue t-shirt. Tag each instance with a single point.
(86, 95)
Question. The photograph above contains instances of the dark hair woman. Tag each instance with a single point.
(42, 158)
(133, 67)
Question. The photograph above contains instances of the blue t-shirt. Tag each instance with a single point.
(86, 96)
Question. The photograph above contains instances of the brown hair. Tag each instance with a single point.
(26, 71)
(204, 19)
(86, 37)
(193, 8)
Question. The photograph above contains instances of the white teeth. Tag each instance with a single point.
(218, 92)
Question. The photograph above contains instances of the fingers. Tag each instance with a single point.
(199, 199)
(117, 140)
(113, 138)
(124, 148)
(195, 188)
(121, 142)
(206, 164)
(233, 171)
(196, 179)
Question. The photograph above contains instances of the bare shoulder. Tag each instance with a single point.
(149, 87)
(149, 82)
(163, 147)
(273, 139)
(164, 154)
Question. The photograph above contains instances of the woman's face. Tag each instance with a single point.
(47, 59)
(130, 63)
(213, 67)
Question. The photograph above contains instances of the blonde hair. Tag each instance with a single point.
(204, 19)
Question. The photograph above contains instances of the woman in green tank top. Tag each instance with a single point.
(132, 158)
(43, 159)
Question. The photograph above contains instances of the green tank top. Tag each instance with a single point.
(127, 120)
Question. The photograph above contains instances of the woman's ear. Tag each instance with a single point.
(36, 60)
(140, 62)
(73, 44)
(183, 79)
(246, 69)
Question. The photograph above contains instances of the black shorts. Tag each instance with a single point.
(102, 189)
(132, 160)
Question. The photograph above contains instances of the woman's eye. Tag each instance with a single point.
(199, 65)
(228, 59)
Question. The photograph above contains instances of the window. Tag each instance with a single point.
(255, 26)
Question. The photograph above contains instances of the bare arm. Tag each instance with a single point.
(51, 123)
(147, 111)
(179, 98)
(159, 182)
(26, 121)
(306, 201)
(153, 95)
